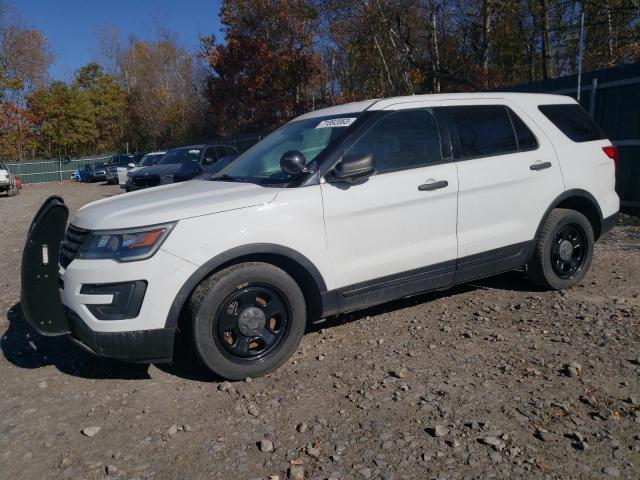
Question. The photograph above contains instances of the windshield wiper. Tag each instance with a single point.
(227, 178)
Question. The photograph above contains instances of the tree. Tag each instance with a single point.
(24, 58)
(67, 122)
(24, 61)
(267, 71)
(109, 104)
(18, 138)
(165, 102)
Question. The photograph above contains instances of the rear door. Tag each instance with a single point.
(509, 175)
(394, 234)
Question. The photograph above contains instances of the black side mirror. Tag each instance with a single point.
(353, 168)
(209, 160)
(293, 163)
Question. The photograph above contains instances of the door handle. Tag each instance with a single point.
(540, 166)
(427, 187)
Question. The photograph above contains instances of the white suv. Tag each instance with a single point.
(340, 209)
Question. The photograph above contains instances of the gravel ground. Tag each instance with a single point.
(494, 379)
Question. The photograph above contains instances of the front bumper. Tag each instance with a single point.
(131, 187)
(56, 301)
(135, 346)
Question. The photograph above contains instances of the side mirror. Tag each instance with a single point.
(353, 168)
(293, 163)
(131, 165)
(208, 160)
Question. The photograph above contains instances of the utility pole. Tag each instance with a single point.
(580, 53)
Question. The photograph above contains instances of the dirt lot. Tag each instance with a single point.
(491, 380)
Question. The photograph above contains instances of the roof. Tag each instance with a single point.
(200, 146)
(386, 103)
(189, 146)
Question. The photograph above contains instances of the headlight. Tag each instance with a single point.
(124, 245)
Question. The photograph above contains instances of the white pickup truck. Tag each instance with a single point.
(8, 181)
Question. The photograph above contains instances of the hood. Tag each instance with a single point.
(190, 168)
(171, 202)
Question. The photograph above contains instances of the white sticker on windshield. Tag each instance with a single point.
(196, 152)
(336, 122)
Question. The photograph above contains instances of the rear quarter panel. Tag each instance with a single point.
(584, 165)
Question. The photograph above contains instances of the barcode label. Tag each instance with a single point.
(336, 123)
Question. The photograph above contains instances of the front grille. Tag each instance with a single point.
(147, 181)
(73, 238)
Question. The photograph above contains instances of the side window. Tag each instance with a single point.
(573, 121)
(483, 130)
(525, 137)
(221, 151)
(210, 156)
(401, 140)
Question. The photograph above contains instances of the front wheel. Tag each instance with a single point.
(564, 250)
(248, 319)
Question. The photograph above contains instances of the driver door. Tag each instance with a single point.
(394, 234)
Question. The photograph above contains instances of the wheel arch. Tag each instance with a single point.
(301, 269)
(580, 201)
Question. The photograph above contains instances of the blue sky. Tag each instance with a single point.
(71, 25)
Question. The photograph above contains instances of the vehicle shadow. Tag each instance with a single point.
(187, 366)
(25, 348)
(514, 281)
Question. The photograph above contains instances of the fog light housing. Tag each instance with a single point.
(126, 302)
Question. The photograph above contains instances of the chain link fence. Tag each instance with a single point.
(57, 170)
(40, 171)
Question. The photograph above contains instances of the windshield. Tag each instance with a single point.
(261, 164)
(148, 160)
(180, 155)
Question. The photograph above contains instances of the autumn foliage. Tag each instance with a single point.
(277, 59)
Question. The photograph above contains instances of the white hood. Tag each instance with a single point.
(171, 202)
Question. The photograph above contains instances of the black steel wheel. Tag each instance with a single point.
(251, 322)
(568, 250)
(247, 319)
(563, 250)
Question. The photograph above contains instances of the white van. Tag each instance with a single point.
(340, 209)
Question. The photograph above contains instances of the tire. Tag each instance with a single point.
(234, 333)
(563, 251)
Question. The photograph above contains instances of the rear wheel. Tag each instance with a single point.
(564, 250)
(248, 319)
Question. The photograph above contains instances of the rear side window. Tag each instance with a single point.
(574, 122)
(401, 140)
(483, 130)
(525, 137)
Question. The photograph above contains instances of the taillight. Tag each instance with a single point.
(612, 153)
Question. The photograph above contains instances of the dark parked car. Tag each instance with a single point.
(121, 161)
(92, 172)
(182, 164)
